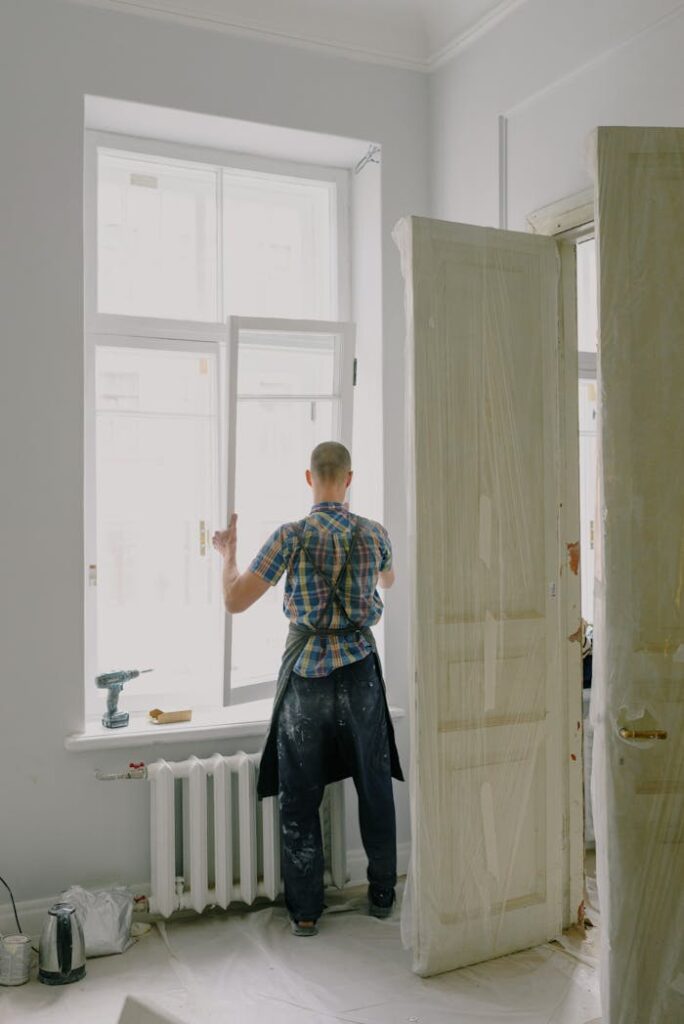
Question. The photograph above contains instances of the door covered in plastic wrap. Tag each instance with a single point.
(493, 757)
(638, 698)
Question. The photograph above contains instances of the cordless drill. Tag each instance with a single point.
(113, 682)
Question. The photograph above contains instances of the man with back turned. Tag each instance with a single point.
(330, 717)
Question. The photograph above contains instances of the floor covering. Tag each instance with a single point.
(246, 968)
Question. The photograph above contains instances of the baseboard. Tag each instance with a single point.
(357, 863)
(31, 916)
(32, 912)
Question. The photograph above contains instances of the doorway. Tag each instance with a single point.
(587, 335)
(571, 221)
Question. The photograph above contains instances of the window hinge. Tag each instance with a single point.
(202, 538)
(356, 371)
(92, 575)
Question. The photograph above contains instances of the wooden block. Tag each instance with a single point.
(160, 717)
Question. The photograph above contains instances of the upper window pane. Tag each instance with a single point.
(286, 364)
(156, 238)
(278, 246)
(587, 307)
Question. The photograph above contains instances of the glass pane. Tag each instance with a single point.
(286, 364)
(274, 441)
(588, 494)
(587, 307)
(156, 238)
(159, 591)
(278, 246)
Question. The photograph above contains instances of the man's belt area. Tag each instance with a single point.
(321, 631)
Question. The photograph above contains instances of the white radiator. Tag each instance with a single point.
(230, 840)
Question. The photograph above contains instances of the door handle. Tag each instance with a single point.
(643, 734)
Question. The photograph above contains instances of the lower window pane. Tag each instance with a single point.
(588, 496)
(158, 596)
(274, 441)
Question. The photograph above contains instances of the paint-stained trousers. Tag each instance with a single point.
(341, 715)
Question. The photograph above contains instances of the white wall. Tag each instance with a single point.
(57, 824)
(556, 69)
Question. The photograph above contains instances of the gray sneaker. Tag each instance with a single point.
(303, 930)
(381, 902)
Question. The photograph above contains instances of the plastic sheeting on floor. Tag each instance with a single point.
(248, 969)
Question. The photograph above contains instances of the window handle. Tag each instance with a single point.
(202, 538)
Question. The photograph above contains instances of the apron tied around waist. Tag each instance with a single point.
(297, 638)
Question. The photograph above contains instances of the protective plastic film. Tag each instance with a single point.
(247, 968)
(638, 690)
(490, 787)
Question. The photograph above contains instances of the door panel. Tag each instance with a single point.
(639, 664)
(489, 718)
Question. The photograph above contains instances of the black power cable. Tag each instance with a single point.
(14, 906)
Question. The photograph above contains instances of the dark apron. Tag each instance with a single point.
(297, 638)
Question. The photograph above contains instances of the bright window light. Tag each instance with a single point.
(182, 248)
(587, 322)
(276, 430)
(587, 333)
(587, 424)
(159, 593)
(157, 238)
(278, 246)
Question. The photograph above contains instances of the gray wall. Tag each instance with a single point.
(57, 824)
(556, 70)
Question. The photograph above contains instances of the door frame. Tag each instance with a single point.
(570, 220)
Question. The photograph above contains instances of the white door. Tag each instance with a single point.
(638, 701)
(496, 766)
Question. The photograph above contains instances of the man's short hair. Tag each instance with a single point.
(330, 462)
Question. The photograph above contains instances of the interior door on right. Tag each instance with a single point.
(491, 653)
(638, 700)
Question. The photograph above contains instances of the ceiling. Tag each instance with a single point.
(418, 34)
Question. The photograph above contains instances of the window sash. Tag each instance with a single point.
(214, 343)
(217, 160)
(342, 391)
(221, 336)
(223, 341)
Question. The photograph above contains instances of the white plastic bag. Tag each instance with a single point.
(105, 916)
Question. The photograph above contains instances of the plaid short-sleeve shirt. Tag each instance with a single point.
(327, 532)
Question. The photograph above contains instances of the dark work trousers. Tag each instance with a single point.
(343, 713)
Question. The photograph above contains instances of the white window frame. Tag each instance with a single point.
(171, 338)
(211, 159)
(343, 393)
(570, 220)
(220, 336)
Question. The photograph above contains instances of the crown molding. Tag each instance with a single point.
(237, 27)
(470, 35)
(179, 13)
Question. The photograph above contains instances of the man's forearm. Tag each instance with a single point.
(231, 574)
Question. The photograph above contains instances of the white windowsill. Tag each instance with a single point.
(240, 721)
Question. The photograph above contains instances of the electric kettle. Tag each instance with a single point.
(62, 947)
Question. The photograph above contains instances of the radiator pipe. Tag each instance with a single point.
(134, 771)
